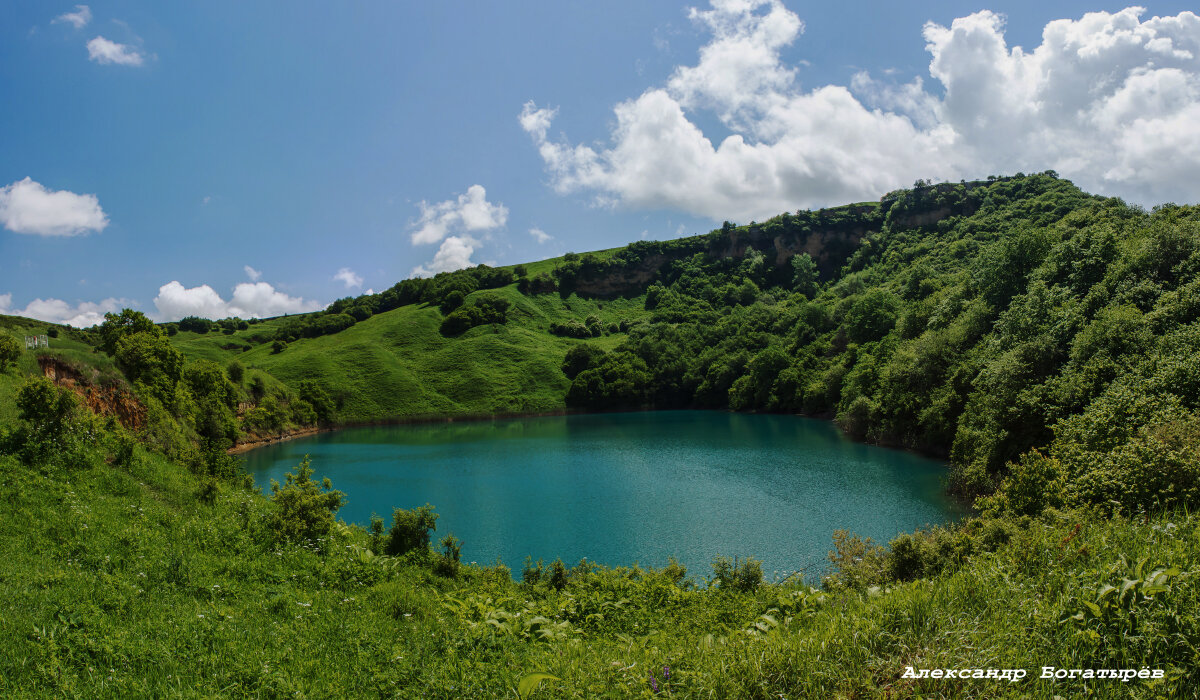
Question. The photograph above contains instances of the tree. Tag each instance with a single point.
(149, 359)
(581, 357)
(303, 509)
(10, 350)
(804, 279)
(123, 325)
(410, 529)
(319, 399)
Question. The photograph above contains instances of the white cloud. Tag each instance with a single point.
(79, 18)
(1108, 100)
(104, 51)
(454, 254)
(80, 315)
(539, 235)
(28, 207)
(469, 212)
(250, 300)
(347, 276)
(253, 274)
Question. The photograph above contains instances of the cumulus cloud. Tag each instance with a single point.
(469, 212)
(470, 217)
(104, 51)
(347, 276)
(1109, 100)
(28, 207)
(253, 274)
(454, 254)
(250, 300)
(539, 235)
(80, 315)
(79, 18)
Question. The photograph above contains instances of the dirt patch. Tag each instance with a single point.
(102, 398)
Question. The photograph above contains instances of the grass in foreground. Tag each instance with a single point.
(124, 582)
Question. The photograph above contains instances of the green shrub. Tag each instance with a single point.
(410, 529)
(302, 509)
(447, 564)
(10, 350)
(732, 576)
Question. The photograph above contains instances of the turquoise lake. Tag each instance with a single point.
(621, 488)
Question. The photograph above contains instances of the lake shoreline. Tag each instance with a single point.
(773, 486)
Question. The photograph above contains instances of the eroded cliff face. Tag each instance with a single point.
(827, 248)
(104, 399)
(829, 237)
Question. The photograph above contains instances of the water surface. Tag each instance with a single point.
(628, 487)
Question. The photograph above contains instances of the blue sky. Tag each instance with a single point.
(252, 158)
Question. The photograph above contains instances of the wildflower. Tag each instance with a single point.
(666, 673)
(653, 684)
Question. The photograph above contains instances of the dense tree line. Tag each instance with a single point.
(1037, 317)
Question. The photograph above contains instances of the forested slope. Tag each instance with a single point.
(1046, 340)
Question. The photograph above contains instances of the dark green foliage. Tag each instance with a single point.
(119, 326)
(302, 509)
(558, 575)
(258, 387)
(195, 324)
(453, 299)
(733, 576)
(322, 405)
(236, 371)
(805, 277)
(621, 380)
(581, 357)
(268, 417)
(448, 561)
(150, 361)
(871, 316)
(206, 380)
(482, 310)
(10, 350)
(53, 430)
(410, 529)
(278, 346)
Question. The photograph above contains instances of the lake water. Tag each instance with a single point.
(628, 487)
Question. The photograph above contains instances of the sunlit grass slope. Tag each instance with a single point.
(65, 345)
(122, 582)
(397, 365)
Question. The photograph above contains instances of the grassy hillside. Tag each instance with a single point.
(1044, 338)
(397, 364)
(126, 581)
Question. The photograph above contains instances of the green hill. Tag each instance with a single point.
(1043, 339)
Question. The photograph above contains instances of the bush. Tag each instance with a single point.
(453, 299)
(10, 350)
(581, 357)
(732, 576)
(51, 415)
(410, 529)
(447, 564)
(303, 509)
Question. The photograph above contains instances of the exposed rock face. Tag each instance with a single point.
(632, 278)
(105, 399)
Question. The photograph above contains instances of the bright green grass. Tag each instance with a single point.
(64, 346)
(121, 583)
(397, 364)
